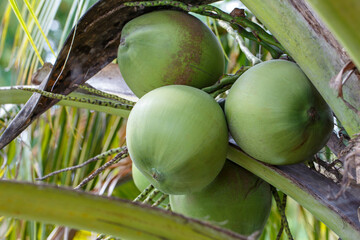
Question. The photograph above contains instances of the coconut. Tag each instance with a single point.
(168, 47)
(177, 137)
(276, 115)
(237, 200)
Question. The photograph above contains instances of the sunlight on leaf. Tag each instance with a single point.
(2, 172)
(5, 24)
(82, 235)
(38, 25)
(46, 11)
(22, 22)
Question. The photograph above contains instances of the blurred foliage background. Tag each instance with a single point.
(67, 136)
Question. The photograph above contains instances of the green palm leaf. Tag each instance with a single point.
(16, 10)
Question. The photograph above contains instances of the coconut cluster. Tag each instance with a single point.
(177, 135)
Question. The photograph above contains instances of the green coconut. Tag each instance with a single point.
(168, 47)
(177, 137)
(236, 200)
(276, 115)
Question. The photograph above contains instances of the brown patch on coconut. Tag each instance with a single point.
(190, 54)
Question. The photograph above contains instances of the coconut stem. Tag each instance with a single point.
(257, 32)
(281, 208)
(107, 95)
(220, 91)
(75, 99)
(283, 204)
(123, 154)
(160, 200)
(151, 195)
(96, 158)
(144, 193)
(225, 83)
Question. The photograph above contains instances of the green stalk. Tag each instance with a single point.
(225, 81)
(10, 95)
(311, 190)
(343, 19)
(110, 216)
(312, 48)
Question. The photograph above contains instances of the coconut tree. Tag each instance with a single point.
(85, 131)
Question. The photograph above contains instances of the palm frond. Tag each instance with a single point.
(38, 25)
(16, 10)
(4, 27)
